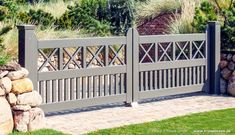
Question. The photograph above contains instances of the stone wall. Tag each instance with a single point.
(227, 67)
(18, 101)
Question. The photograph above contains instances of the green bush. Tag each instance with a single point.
(122, 15)
(212, 11)
(37, 17)
(12, 9)
(90, 15)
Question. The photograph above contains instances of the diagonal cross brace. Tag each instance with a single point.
(71, 57)
(182, 50)
(48, 59)
(116, 53)
(165, 51)
(147, 53)
(198, 49)
(95, 56)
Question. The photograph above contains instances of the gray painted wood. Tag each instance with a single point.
(94, 41)
(94, 86)
(54, 91)
(48, 92)
(78, 88)
(170, 91)
(72, 89)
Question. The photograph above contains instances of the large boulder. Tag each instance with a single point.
(3, 74)
(223, 86)
(11, 98)
(32, 98)
(223, 64)
(36, 119)
(12, 66)
(21, 121)
(21, 108)
(6, 84)
(2, 92)
(16, 75)
(223, 56)
(6, 120)
(231, 66)
(226, 73)
(229, 57)
(231, 85)
(22, 86)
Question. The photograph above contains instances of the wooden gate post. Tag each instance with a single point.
(28, 53)
(213, 50)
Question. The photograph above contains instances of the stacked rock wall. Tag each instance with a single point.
(227, 67)
(18, 101)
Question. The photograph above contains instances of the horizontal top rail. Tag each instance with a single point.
(172, 38)
(61, 43)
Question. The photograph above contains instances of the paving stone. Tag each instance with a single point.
(88, 121)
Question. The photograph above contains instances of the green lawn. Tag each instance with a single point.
(40, 132)
(220, 122)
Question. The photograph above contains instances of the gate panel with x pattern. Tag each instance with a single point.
(171, 64)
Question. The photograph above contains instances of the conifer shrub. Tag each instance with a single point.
(224, 12)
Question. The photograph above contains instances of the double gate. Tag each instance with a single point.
(74, 73)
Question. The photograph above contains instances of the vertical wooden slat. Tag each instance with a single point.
(160, 79)
(164, 78)
(202, 74)
(173, 77)
(72, 91)
(198, 74)
(177, 77)
(78, 88)
(122, 83)
(186, 76)
(169, 78)
(151, 80)
(142, 81)
(146, 80)
(194, 75)
(89, 87)
(48, 91)
(95, 86)
(101, 86)
(182, 77)
(106, 84)
(155, 80)
(117, 84)
(190, 76)
(42, 90)
(60, 90)
(111, 85)
(66, 89)
(54, 91)
(84, 88)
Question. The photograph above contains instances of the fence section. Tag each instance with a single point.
(74, 73)
(171, 64)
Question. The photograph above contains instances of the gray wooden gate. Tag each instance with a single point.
(119, 69)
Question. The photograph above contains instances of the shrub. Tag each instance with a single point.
(221, 11)
(37, 17)
(122, 15)
(90, 15)
(182, 23)
(12, 9)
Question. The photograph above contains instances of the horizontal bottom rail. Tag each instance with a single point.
(68, 105)
(170, 91)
